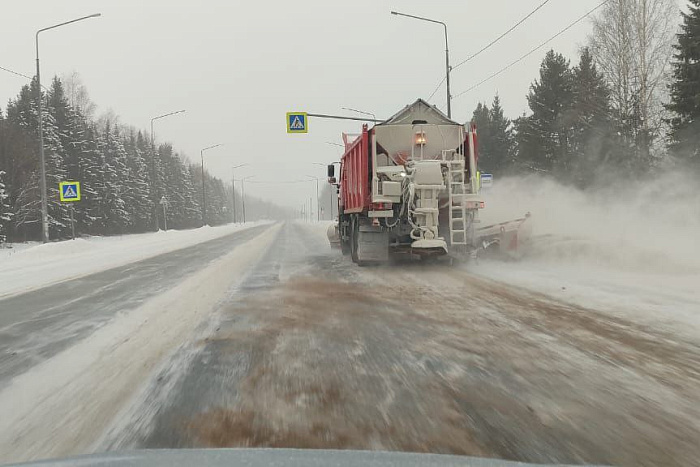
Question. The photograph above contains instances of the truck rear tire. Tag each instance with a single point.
(354, 237)
(344, 234)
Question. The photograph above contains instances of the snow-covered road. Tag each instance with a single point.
(31, 266)
(37, 325)
(283, 342)
(70, 398)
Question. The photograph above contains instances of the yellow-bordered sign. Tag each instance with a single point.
(297, 122)
(69, 191)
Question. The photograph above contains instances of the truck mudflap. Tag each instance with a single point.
(506, 238)
(372, 245)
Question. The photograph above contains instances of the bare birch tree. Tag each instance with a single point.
(632, 44)
(77, 94)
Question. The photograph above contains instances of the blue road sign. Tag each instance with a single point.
(69, 191)
(297, 122)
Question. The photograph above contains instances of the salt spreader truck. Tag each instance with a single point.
(409, 185)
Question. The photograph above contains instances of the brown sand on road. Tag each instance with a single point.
(439, 361)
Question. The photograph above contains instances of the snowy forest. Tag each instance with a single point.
(123, 175)
(629, 104)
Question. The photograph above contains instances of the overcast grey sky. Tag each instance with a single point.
(238, 66)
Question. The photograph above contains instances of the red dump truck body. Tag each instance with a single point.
(355, 188)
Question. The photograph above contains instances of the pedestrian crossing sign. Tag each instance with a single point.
(297, 122)
(69, 191)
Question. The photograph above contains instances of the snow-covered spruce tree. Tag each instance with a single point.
(685, 89)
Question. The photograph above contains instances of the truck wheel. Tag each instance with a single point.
(344, 234)
(354, 236)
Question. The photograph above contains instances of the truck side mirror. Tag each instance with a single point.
(331, 170)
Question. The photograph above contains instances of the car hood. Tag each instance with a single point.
(271, 458)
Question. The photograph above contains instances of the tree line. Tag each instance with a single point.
(124, 176)
(624, 107)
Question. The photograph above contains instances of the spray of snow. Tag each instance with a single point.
(630, 248)
(648, 226)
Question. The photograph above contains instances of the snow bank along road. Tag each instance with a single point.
(284, 343)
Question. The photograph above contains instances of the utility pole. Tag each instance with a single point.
(153, 167)
(447, 56)
(42, 158)
(72, 221)
(204, 189)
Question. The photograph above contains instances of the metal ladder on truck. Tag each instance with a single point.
(457, 191)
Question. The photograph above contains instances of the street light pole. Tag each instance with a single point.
(243, 193)
(204, 191)
(233, 188)
(42, 158)
(318, 206)
(153, 167)
(447, 56)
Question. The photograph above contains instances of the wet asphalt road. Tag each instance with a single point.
(210, 378)
(306, 350)
(313, 352)
(36, 325)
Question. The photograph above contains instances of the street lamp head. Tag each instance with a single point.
(168, 115)
(95, 15)
(212, 147)
(448, 68)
